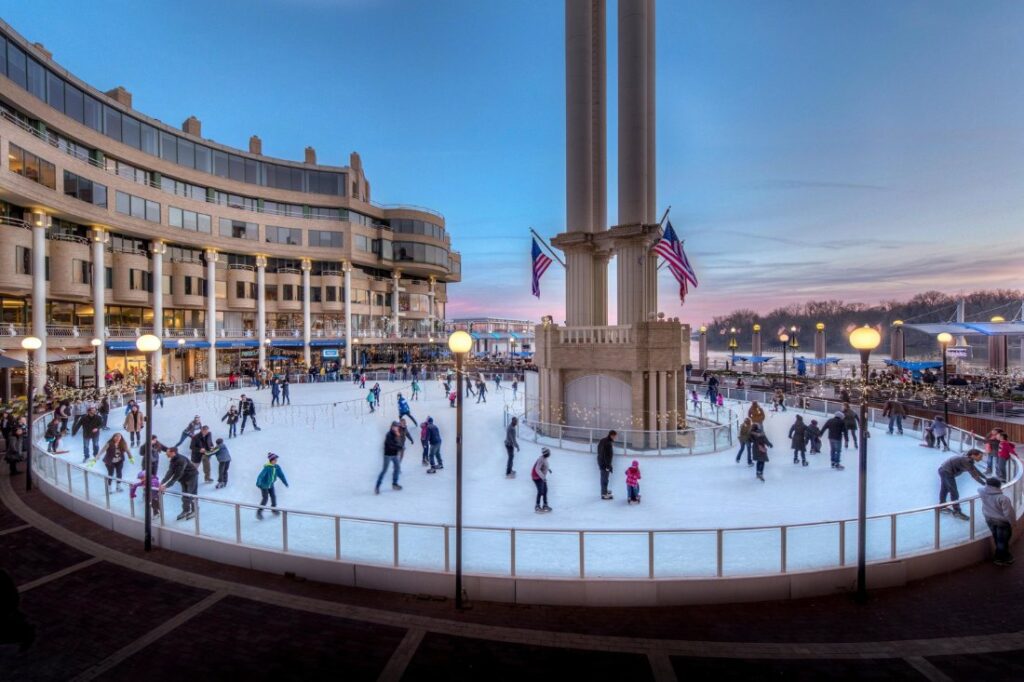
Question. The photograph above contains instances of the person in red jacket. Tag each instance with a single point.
(633, 483)
(1006, 450)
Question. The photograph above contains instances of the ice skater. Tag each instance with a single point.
(835, 428)
(745, 444)
(605, 448)
(941, 432)
(134, 422)
(115, 452)
(371, 400)
(434, 438)
(515, 389)
(231, 417)
(403, 409)
(695, 400)
(223, 455)
(511, 445)
(798, 440)
(633, 483)
(248, 409)
(394, 443)
(180, 470)
(90, 423)
(286, 396)
(425, 443)
(415, 390)
(154, 484)
(201, 445)
(895, 411)
(268, 476)
(851, 422)
(481, 391)
(948, 473)
(761, 444)
(539, 474)
(1006, 450)
(814, 437)
(275, 392)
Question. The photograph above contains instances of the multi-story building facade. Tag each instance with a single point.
(113, 224)
(497, 336)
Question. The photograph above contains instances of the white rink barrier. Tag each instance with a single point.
(563, 566)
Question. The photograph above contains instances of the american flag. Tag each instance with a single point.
(671, 249)
(540, 264)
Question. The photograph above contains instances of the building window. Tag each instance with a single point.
(137, 207)
(139, 280)
(330, 294)
(323, 238)
(240, 289)
(81, 271)
(287, 292)
(314, 295)
(22, 260)
(238, 229)
(283, 235)
(28, 165)
(362, 243)
(270, 292)
(85, 189)
(189, 220)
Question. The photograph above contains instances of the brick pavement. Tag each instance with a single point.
(91, 614)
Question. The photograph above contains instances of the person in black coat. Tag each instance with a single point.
(181, 470)
(834, 428)
(760, 444)
(154, 448)
(605, 449)
(201, 444)
(90, 424)
(248, 409)
(798, 440)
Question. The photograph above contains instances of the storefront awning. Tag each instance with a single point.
(327, 343)
(238, 343)
(168, 343)
(286, 343)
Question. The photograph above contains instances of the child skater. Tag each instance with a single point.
(633, 483)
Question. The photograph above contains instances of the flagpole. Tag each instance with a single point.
(547, 247)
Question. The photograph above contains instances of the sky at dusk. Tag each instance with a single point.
(831, 149)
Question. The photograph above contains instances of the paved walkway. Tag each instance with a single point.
(104, 609)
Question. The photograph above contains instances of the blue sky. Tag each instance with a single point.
(857, 150)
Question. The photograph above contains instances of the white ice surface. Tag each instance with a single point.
(331, 455)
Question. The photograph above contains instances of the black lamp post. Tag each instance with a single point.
(459, 343)
(864, 339)
(148, 345)
(784, 339)
(945, 338)
(31, 344)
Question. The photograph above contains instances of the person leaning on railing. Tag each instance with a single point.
(948, 473)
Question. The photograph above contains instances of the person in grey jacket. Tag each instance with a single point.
(948, 472)
(1000, 516)
(223, 455)
(511, 445)
(604, 462)
(181, 470)
(941, 432)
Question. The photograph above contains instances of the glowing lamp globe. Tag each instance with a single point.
(865, 338)
(945, 338)
(998, 318)
(460, 342)
(31, 343)
(96, 342)
(148, 343)
(783, 337)
(897, 323)
(703, 330)
(757, 327)
(820, 326)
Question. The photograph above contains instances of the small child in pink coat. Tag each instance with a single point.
(633, 483)
(154, 483)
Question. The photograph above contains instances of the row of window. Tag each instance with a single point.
(137, 207)
(407, 226)
(188, 220)
(29, 165)
(68, 99)
(85, 189)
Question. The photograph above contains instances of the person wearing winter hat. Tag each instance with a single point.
(835, 428)
(760, 444)
(394, 443)
(540, 479)
(999, 515)
(434, 440)
(633, 483)
(269, 475)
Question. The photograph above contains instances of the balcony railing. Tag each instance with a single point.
(607, 335)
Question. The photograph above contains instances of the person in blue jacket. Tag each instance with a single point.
(265, 482)
(403, 409)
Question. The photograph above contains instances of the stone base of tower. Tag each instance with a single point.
(630, 378)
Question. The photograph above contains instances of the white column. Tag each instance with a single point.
(261, 308)
(99, 301)
(211, 313)
(158, 250)
(306, 303)
(579, 286)
(39, 300)
(395, 323)
(430, 303)
(347, 267)
(636, 118)
(632, 266)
